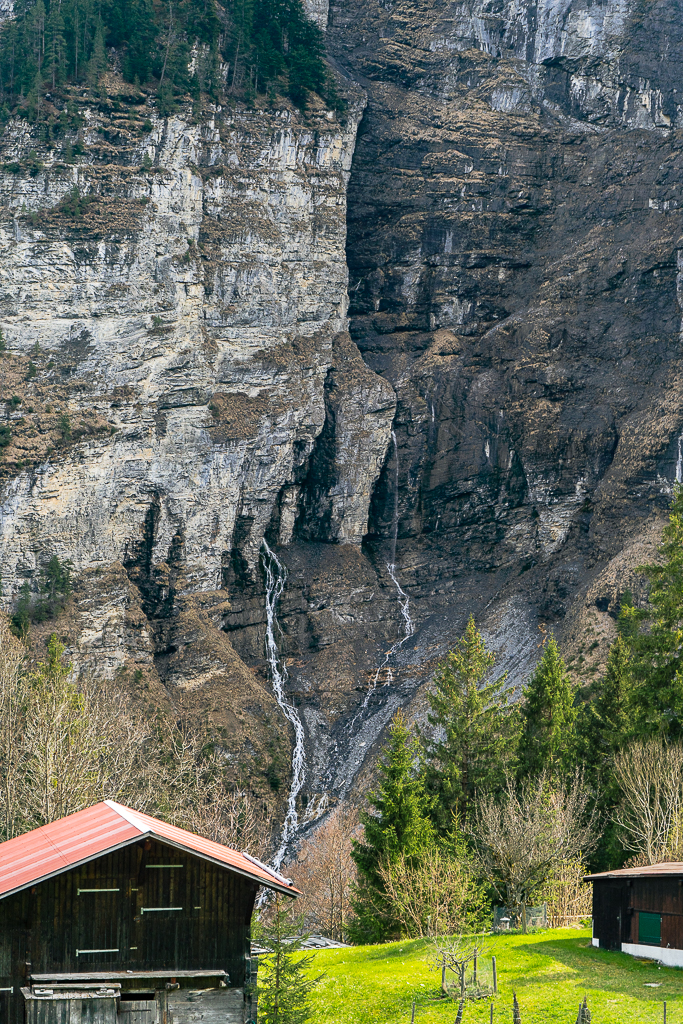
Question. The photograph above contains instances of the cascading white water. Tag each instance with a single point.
(394, 527)
(404, 602)
(679, 462)
(403, 599)
(276, 577)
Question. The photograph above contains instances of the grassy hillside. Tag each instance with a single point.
(550, 971)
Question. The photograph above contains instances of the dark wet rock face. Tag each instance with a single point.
(497, 432)
(513, 231)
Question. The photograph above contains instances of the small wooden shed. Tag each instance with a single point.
(109, 916)
(640, 911)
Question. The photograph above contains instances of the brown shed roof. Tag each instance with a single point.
(673, 868)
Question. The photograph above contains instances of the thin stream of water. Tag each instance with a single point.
(679, 462)
(403, 600)
(276, 578)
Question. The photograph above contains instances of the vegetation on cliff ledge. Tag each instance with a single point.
(180, 47)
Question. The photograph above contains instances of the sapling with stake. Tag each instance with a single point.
(516, 1015)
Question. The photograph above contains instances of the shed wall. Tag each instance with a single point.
(50, 927)
(617, 904)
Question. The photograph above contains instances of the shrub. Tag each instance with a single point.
(65, 426)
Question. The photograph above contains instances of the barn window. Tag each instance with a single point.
(650, 928)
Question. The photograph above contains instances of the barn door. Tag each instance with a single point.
(98, 928)
(163, 913)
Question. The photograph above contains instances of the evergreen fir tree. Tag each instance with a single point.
(98, 61)
(547, 742)
(604, 724)
(475, 730)
(657, 699)
(400, 825)
(284, 983)
(52, 42)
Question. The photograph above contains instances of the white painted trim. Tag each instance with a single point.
(669, 957)
(595, 942)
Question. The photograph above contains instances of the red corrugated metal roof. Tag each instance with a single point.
(647, 871)
(81, 837)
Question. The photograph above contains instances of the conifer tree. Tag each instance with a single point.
(547, 742)
(604, 724)
(397, 826)
(52, 42)
(657, 699)
(284, 983)
(98, 62)
(475, 730)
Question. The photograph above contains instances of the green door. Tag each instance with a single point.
(649, 928)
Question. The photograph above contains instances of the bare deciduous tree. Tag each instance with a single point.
(566, 896)
(435, 895)
(521, 838)
(190, 788)
(456, 955)
(12, 747)
(650, 776)
(324, 870)
(81, 745)
(66, 745)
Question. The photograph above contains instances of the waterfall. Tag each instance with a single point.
(679, 461)
(276, 577)
(403, 599)
(394, 529)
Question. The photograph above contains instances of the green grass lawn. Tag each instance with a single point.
(550, 972)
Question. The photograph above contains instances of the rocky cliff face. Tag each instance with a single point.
(173, 333)
(514, 226)
(499, 433)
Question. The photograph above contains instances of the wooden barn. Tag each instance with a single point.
(109, 916)
(640, 911)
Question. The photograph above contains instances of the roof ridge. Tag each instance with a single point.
(128, 814)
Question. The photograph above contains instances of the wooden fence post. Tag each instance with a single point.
(491, 1013)
(474, 978)
(495, 976)
(412, 1016)
(664, 1011)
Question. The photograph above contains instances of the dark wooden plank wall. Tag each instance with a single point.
(45, 925)
(610, 901)
(616, 904)
(659, 895)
